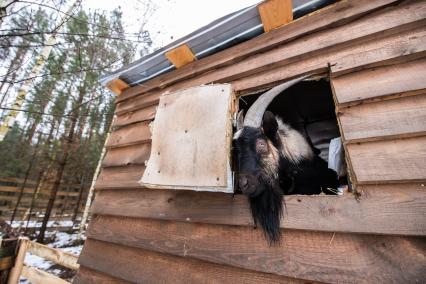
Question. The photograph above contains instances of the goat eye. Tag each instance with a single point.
(261, 146)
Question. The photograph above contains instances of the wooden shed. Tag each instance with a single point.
(372, 53)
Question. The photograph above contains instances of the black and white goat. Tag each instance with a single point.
(274, 159)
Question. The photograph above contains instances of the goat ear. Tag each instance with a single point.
(269, 125)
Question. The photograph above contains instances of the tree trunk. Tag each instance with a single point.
(33, 198)
(27, 173)
(63, 162)
(80, 195)
(15, 63)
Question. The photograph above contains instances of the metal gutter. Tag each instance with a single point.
(222, 33)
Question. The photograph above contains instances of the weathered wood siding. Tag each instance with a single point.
(375, 53)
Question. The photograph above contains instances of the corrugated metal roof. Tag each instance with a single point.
(218, 35)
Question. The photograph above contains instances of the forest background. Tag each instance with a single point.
(61, 129)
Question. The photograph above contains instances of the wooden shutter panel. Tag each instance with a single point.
(191, 140)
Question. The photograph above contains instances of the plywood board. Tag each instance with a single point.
(402, 160)
(191, 140)
(381, 81)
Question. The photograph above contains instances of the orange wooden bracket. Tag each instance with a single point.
(180, 56)
(117, 86)
(275, 13)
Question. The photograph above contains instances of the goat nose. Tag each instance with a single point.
(243, 182)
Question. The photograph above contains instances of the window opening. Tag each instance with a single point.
(307, 107)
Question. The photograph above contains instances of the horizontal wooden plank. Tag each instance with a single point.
(62, 258)
(35, 275)
(90, 276)
(142, 266)
(405, 116)
(28, 190)
(140, 102)
(18, 180)
(386, 209)
(308, 255)
(120, 177)
(33, 182)
(14, 198)
(335, 15)
(41, 205)
(402, 160)
(68, 229)
(132, 134)
(381, 48)
(40, 213)
(130, 155)
(381, 81)
(39, 219)
(140, 115)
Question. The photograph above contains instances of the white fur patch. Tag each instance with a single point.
(237, 134)
(295, 146)
(270, 163)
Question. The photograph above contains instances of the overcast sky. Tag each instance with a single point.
(172, 19)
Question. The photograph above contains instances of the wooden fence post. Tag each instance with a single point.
(16, 271)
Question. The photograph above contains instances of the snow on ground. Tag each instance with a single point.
(37, 224)
(63, 241)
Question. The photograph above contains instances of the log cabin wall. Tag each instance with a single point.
(374, 53)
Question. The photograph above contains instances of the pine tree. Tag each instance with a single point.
(67, 105)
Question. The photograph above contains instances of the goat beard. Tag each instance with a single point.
(267, 210)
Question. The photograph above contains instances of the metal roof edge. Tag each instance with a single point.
(220, 34)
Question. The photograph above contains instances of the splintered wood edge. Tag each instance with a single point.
(275, 13)
(117, 86)
(180, 56)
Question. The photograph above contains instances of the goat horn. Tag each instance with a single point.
(255, 113)
(240, 119)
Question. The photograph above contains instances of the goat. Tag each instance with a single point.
(274, 159)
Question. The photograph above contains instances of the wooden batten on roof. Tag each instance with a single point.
(117, 86)
(275, 13)
(180, 56)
